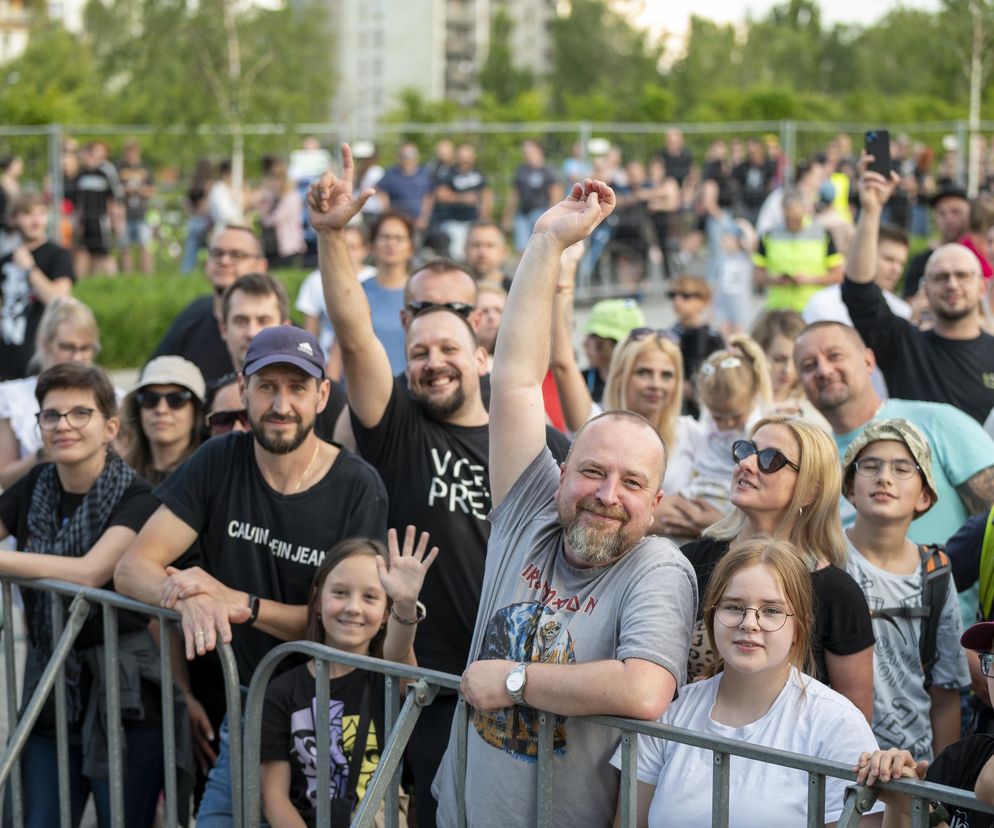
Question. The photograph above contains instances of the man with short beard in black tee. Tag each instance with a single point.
(430, 446)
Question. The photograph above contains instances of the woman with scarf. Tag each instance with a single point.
(73, 518)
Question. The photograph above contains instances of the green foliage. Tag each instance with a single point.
(499, 76)
(133, 312)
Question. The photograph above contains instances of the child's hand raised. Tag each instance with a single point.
(404, 574)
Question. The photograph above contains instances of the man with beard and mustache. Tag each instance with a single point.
(952, 363)
(266, 505)
(582, 613)
(427, 438)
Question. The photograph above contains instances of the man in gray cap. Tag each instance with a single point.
(267, 504)
(918, 667)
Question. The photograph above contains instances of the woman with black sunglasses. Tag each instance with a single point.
(163, 415)
(786, 484)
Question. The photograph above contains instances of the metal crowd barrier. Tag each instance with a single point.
(399, 724)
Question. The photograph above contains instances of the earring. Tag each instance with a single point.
(800, 511)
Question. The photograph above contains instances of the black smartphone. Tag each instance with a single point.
(877, 144)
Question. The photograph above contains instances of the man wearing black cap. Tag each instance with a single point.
(951, 209)
(268, 504)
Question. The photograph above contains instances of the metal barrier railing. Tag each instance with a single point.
(64, 634)
(399, 721)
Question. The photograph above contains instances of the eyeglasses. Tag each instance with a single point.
(941, 276)
(78, 417)
(70, 349)
(463, 309)
(684, 294)
(986, 661)
(234, 255)
(769, 618)
(901, 469)
(638, 334)
(221, 422)
(768, 461)
(174, 399)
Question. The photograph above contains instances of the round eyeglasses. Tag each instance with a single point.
(769, 618)
(78, 417)
(901, 468)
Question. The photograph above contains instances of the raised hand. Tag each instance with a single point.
(332, 201)
(403, 575)
(575, 217)
(874, 190)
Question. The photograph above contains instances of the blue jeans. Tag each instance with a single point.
(143, 781)
(216, 810)
(196, 237)
(524, 223)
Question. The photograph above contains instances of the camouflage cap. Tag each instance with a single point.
(901, 431)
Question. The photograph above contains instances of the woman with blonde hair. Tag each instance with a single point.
(67, 332)
(759, 612)
(786, 484)
(646, 377)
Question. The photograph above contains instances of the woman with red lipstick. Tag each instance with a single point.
(888, 478)
(759, 611)
(786, 483)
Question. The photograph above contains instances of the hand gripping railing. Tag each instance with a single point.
(64, 635)
(398, 723)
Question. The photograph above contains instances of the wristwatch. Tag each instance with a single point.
(253, 603)
(515, 683)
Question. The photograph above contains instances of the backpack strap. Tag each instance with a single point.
(987, 568)
(936, 572)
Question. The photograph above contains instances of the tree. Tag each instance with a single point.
(499, 76)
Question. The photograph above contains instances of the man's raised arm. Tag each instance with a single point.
(874, 192)
(369, 380)
(521, 358)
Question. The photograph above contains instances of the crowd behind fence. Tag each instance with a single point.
(399, 721)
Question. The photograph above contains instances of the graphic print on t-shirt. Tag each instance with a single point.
(458, 484)
(342, 732)
(16, 293)
(528, 632)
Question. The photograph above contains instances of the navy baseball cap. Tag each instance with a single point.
(285, 345)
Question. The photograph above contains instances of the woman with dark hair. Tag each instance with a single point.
(73, 517)
(164, 415)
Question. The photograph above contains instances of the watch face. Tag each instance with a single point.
(515, 681)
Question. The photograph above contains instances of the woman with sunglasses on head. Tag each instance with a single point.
(786, 484)
(163, 416)
(919, 666)
(67, 332)
(224, 410)
(73, 517)
(759, 612)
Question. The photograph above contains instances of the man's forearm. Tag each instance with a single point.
(139, 578)
(288, 622)
(862, 262)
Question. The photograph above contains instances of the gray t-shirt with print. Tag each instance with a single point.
(901, 704)
(537, 607)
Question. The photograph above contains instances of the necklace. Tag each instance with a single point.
(303, 477)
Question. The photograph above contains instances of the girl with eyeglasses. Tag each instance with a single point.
(163, 414)
(786, 483)
(759, 611)
(73, 517)
(888, 478)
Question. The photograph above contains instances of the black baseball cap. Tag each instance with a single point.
(285, 345)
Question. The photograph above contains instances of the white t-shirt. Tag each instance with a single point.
(310, 302)
(18, 404)
(807, 717)
(711, 451)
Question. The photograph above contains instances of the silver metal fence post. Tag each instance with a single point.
(919, 813)
(10, 677)
(544, 782)
(391, 696)
(816, 800)
(462, 733)
(168, 721)
(112, 684)
(61, 719)
(719, 790)
(629, 778)
(321, 725)
(56, 183)
(233, 697)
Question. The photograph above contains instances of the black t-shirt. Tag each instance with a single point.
(461, 182)
(288, 732)
(135, 507)
(964, 550)
(842, 622)
(595, 385)
(753, 182)
(92, 192)
(696, 345)
(261, 541)
(194, 335)
(134, 177)
(921, 365)
(959, 766)
(437, 475)
(677, 166)
(532, 184)
(915, 272)
(20, 310)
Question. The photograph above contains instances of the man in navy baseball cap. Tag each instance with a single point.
(285, 345)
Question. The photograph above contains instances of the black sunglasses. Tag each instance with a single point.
(768, 461)
(461, 308)
(225, 420)
(684, 294)
(174, 399)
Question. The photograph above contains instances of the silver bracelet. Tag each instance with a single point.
(420, 614)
